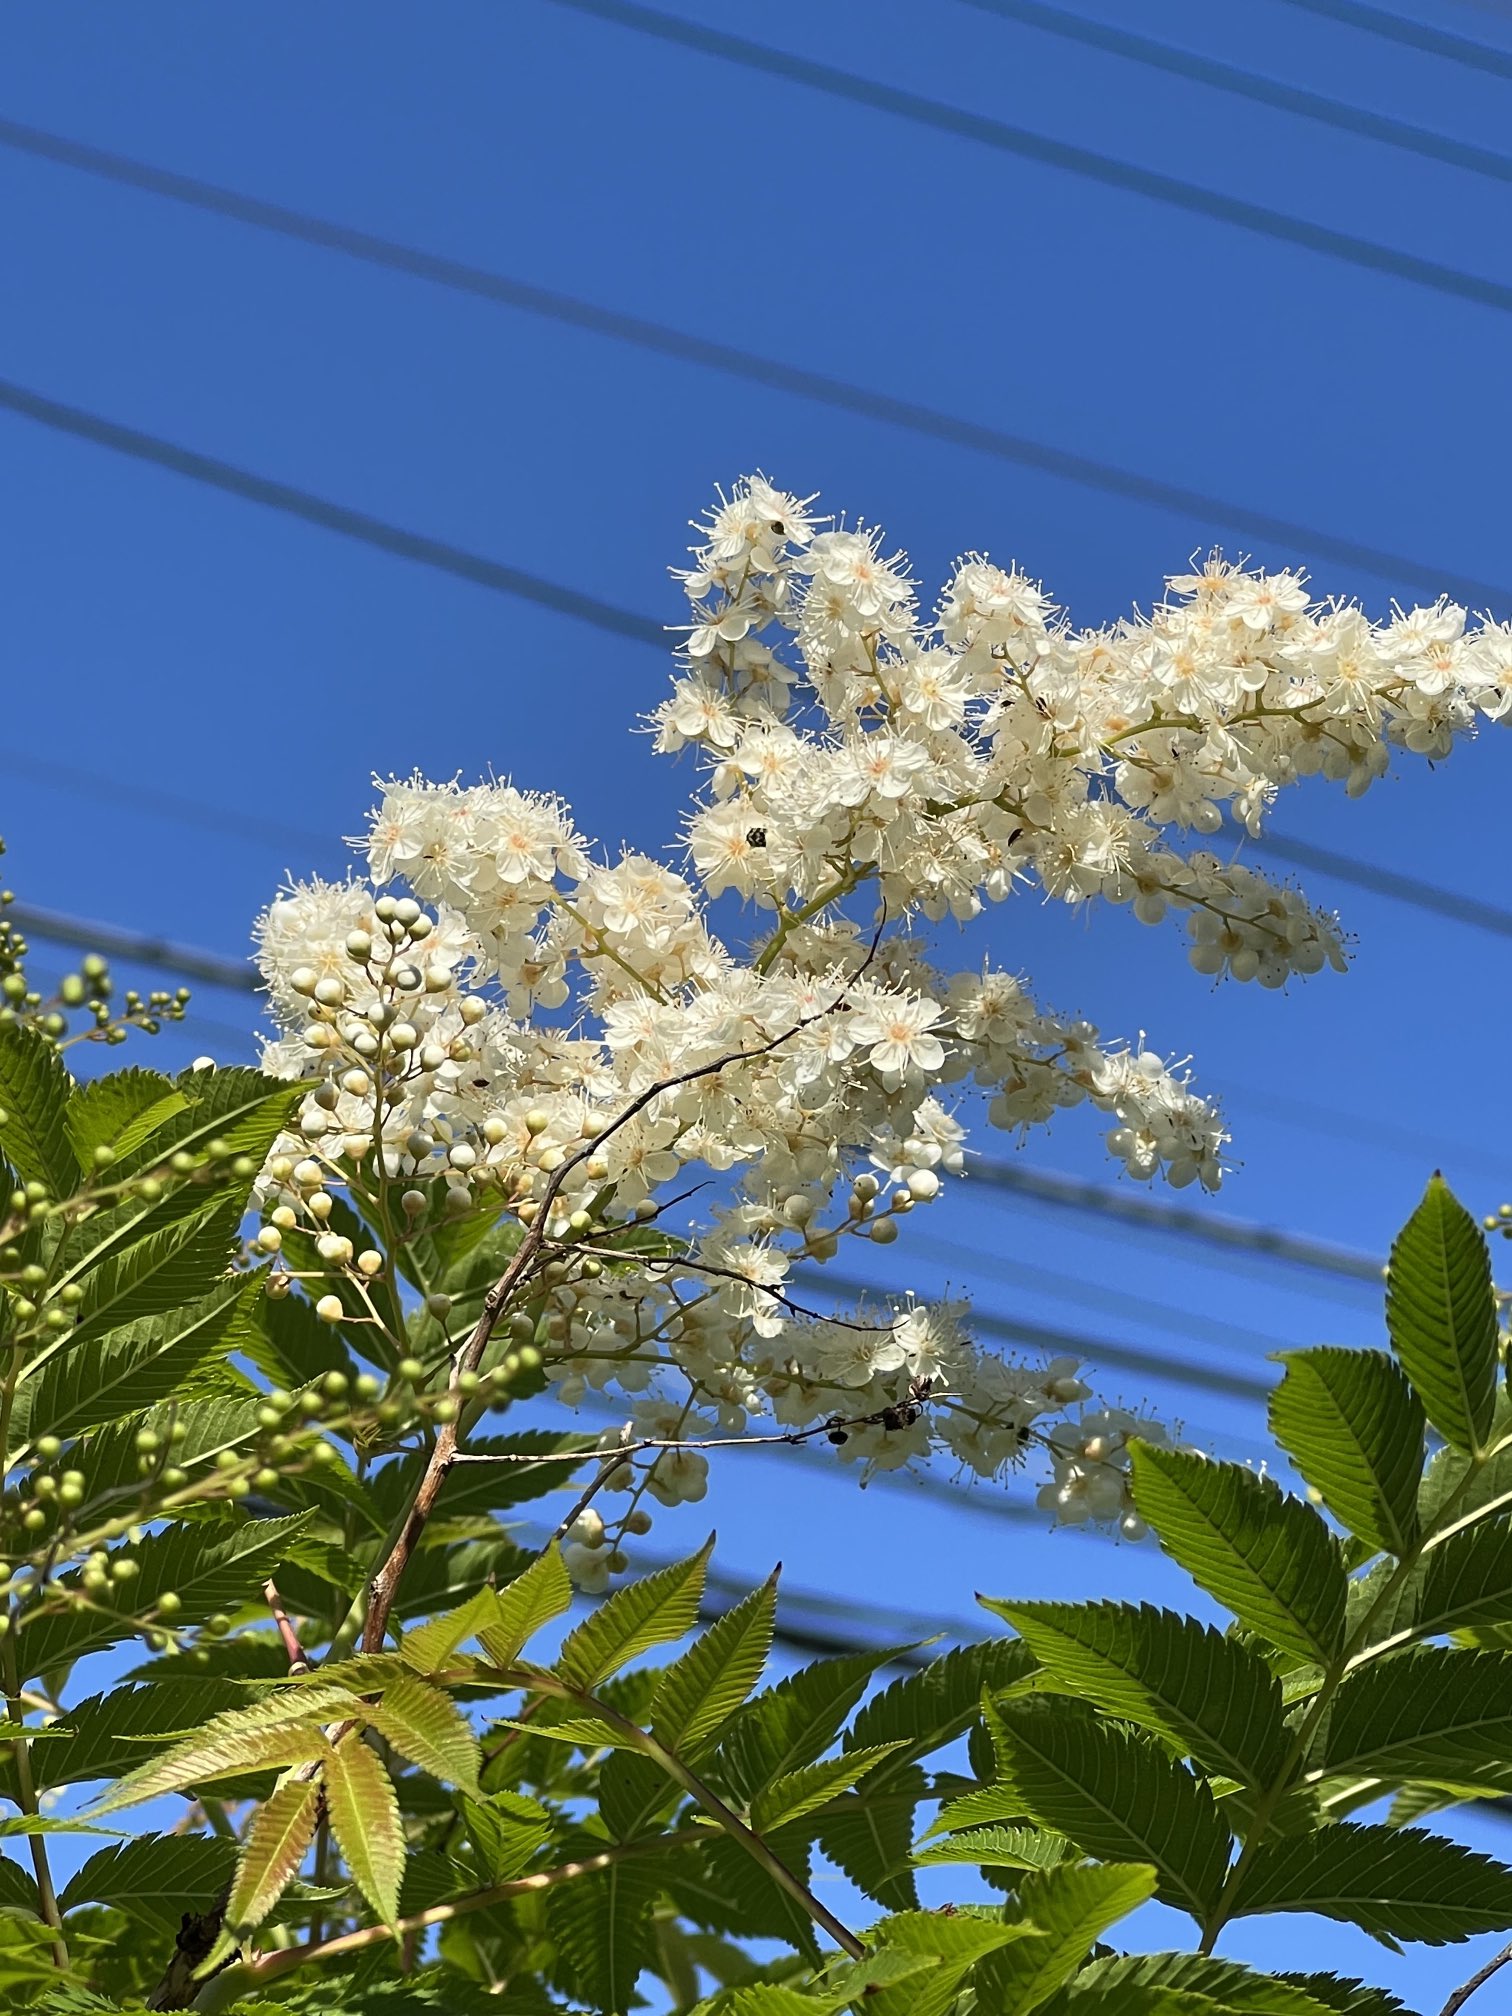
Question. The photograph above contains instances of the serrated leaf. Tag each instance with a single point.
(18, 1889)
(34, 1096)
(506, 1829)
(118, 1110)
(1234, 1989)
(1354, 1428)
(932, 1707)
(1116, 1794)
(156, 1877)
(364, 1816)
(700, 1691)
(236, 1104)
(654, 1611)
(869, 1832)
(105, 1733)
(289, 1344)
(635, 1794)
(957, 1946)
(207, 1573)
(1070, 1906)
(1398, 1883)
(541, 1592)
(138, 1257)
(798, 1793)
(1466, 1580)
(998, 1847)
(429, 1646)
(1347, 1998)
(1430, 1713)
(241, 1744)
(276, 1843)
(137, 1365)
(429, 1729)
(1441, 1316)
(792, 1723)
(602, 1927)
(1266, 1556)
(1210, 1694)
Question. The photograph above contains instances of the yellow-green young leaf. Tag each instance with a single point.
(1266, 1556)
(240, 1739)
(365, 1820)
(1354, 1428)
(429, 1729)
(505, 1830)
(1432, 1713)
(537, 1595)
(272, 1851)
(34, 1097)
(584, 1732)
(999, 1848)
(1212, 1696)
(954, 1946)
(1117, 1794)
(792, 1723)
(1441, 1316)
(430, 1645)
(1397, 1883)
(654, 1611)
(700, 1691)
(1071, 1907)
(799, 1793)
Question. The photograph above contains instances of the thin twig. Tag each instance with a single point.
(613, 1462)
(385, 1582)
(1478, 1979)
(299, 1661)
(792, 1437)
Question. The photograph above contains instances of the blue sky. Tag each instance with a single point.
(166, 639)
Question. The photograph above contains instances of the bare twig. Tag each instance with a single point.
(385, 1582)
(613, 1462)
(1478, 1979)
(299, 1662)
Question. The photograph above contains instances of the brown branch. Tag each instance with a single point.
(385, 1582)
(299, 1662)
(283, 1960)
(1478, 1979)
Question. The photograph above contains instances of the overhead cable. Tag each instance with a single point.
(687, 348)
(1239, 83)
(1412, 34)
(1066, 155)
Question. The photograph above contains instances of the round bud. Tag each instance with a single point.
(366, 1387)
(403, 1036)
(923, 1185)
(461, 1156)
(146, 1441)
(370, 1263)
(104, 1155)
(169, 1603)
(410, 1370)
(473, 1010)
(49, 1448)
(334, 1385)
(124, 1569)
(884, 1231)
(414, 1203)
(385, 909)
(218, 1625)
(407, 910)
(445, 1409)
(319, 1206)
(330, 992)
(639, 1521)
(329, 1309)
(439, 1306)
(359, 946)
(304, 980)
(269, 1239)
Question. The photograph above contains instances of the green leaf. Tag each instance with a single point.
(635, 1794)
(1431, 1713)
(798, 1793)
(869, 1832)
(18, 1890)
(932, 1707)
(955, 1945)
(139, 1364)
(1227, 1984)
(290, 1345)
(119, 1110)
(700, 1691)
(999, 1848)
(235, 1104)
(34, 1095)
(282, 1729)
(208, 1574)
(156, 1877)
(365, 1821)
(538, 1594)
(276, 1842)
(506, 1829)
(1072, 1906)
(654, 1611)
(1116, 1794)
(1398, 1883)
(1354, 1428)
(137, 1257)
(602, 1927)
(792, 1723)
(1347, 1998)
(1466, 1580)
(427, 1727)
(1210, 1694)
(105, 1734)
(1266, 1556)
(1441, 1315)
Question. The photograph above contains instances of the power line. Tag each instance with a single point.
(1077, 1344)
(137, 946)
(331, 517)
(1387, 882)
(164, 804)
(1227, 77)
(1100, 1198)
(1364, 253)
(1412, 34)
(685, 348)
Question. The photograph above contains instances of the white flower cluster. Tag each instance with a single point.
(531, 1030)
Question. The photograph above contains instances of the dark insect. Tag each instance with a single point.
(756, 837)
